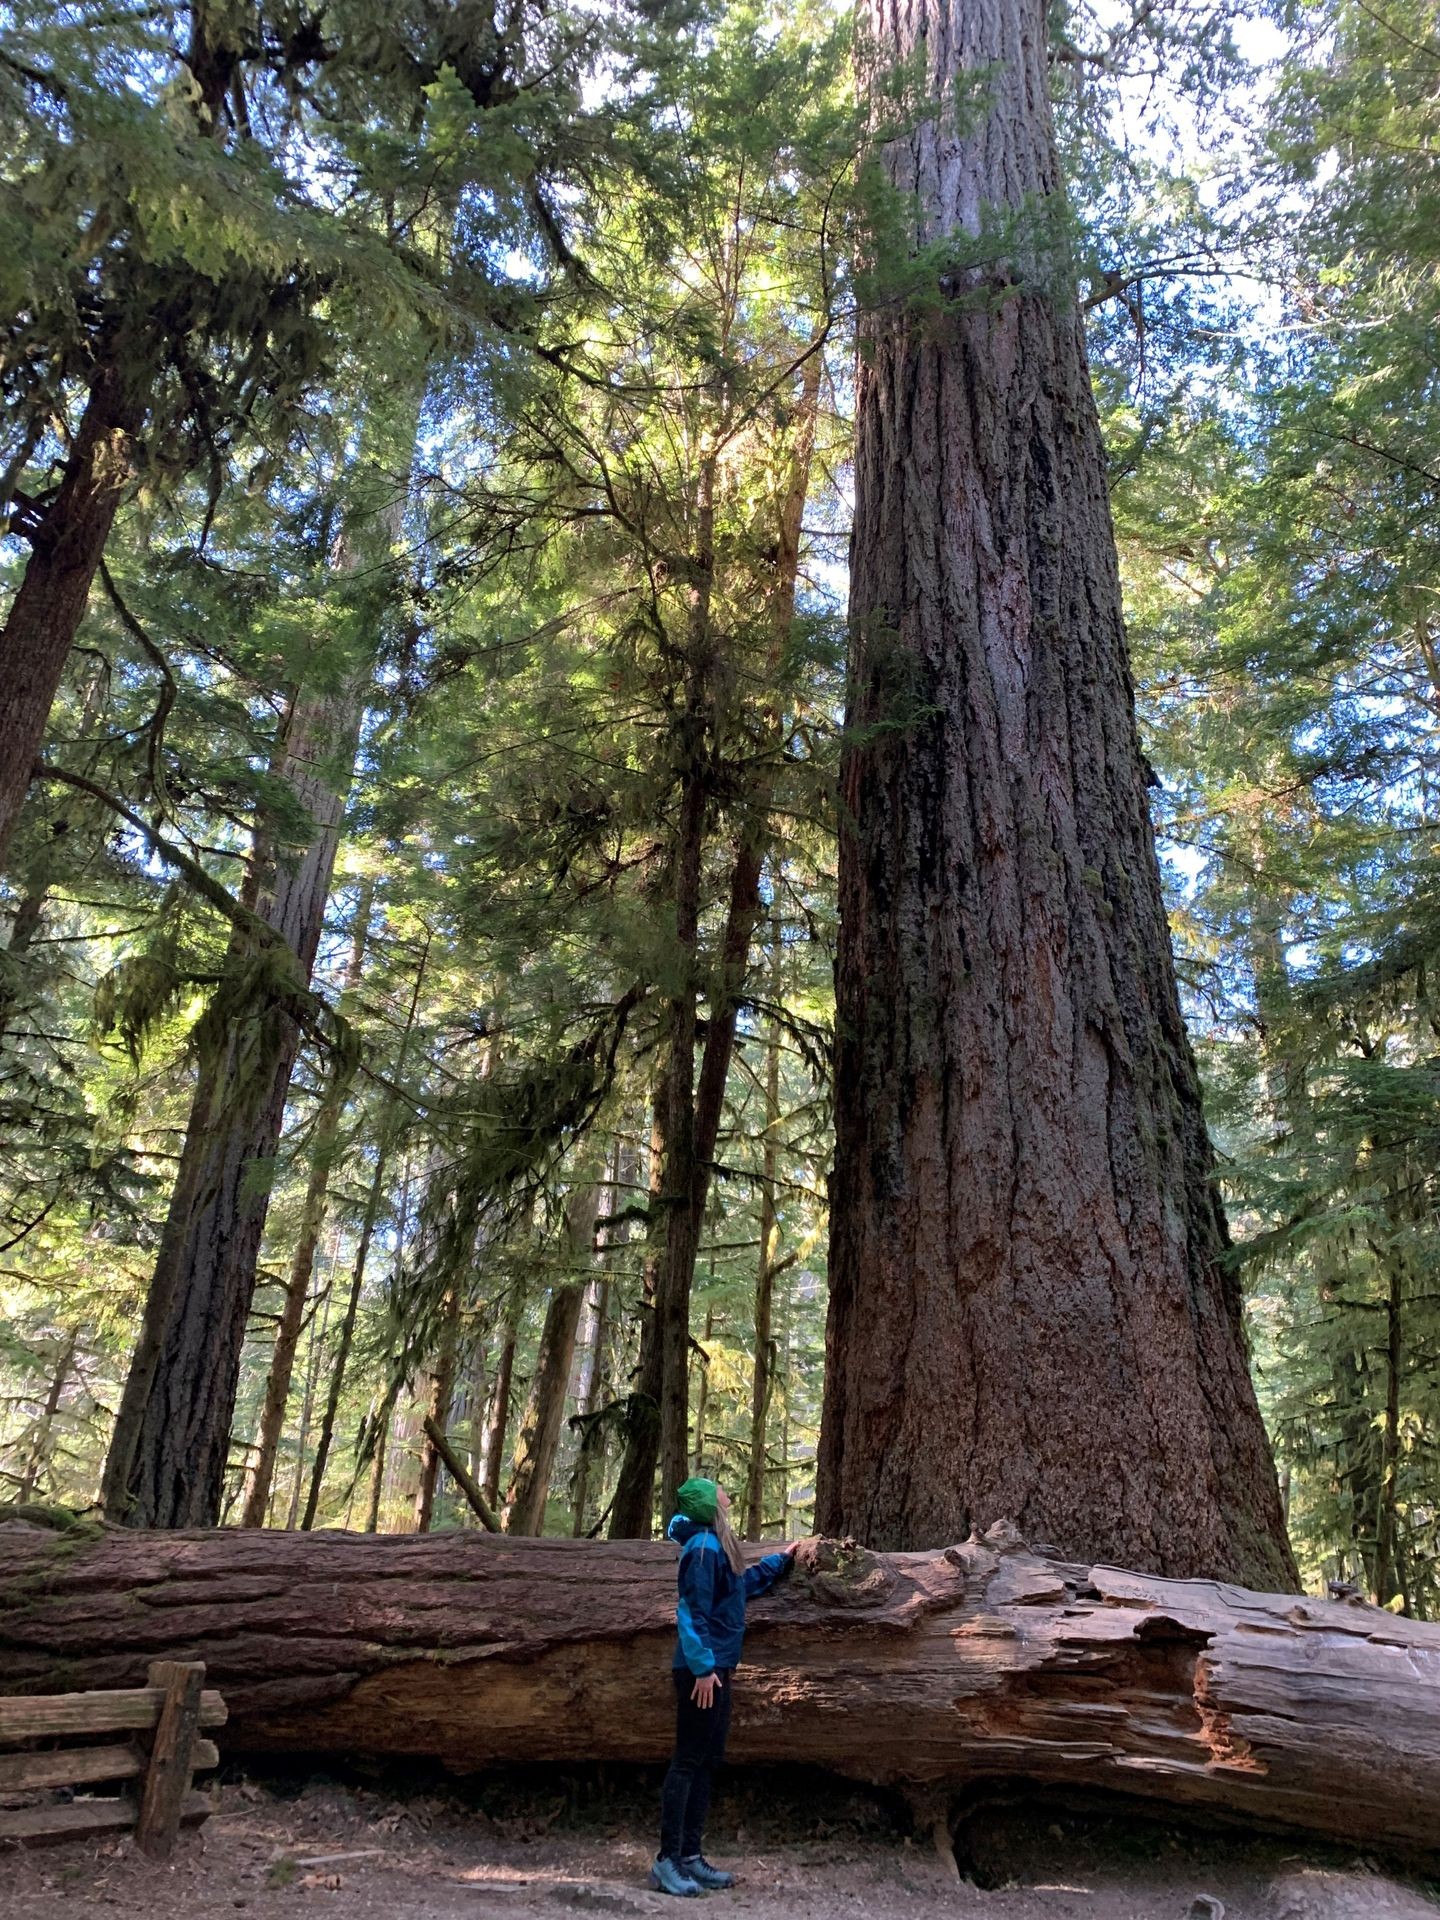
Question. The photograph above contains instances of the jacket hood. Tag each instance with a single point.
(683, 1528)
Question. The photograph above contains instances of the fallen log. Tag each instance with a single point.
(928, 1671)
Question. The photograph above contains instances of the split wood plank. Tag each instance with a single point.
(83, 1766)
(167, 1778)
(128, 1709)
(85, 1820)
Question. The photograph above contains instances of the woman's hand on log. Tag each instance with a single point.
(704, 1690)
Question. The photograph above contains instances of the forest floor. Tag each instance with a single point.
(544, 1847)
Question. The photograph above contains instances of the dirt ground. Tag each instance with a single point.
(292, 1848)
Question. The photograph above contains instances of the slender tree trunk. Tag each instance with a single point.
(1031, 1313)
(29, 914)
(67, 544)
(1386, 1531)
(765, 1282)
(591, 1388)
(40, 1444)
(539, 1436)
(312, 1219)
(388, 1134)
(702, 1391)
(479, 1401)
(693, 1113)
(499, 1423)
(324, 1301)
(341, 1360)
(785, 1425)
(623, 1169)
(632, 1508)
(442, 1392)
(672, 1290)
(377, 1469)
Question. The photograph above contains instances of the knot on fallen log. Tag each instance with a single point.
(848, 1575)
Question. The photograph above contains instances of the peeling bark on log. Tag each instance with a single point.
(941, 1670)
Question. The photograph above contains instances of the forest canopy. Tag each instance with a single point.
(429, 479)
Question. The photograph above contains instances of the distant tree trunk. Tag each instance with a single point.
(315, 1353)
(498, 1425)
(633, 1505)
(389, 1131)
(1032, 1312)
(702, 1392)
(40, 1445)
(377, 1468)
(67, 543)
(539, 1436)
(683, 1150)
(341, 1360)
(442, 1393)
(765, 1281)
(1386, 1557)
(479, 1397)
(623, 1175)
(591, 1387)
(692, 1111)
(29, 916)
(312, 1219)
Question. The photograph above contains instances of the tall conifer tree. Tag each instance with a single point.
(1031, 1313)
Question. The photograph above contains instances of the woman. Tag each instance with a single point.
(710, 1614)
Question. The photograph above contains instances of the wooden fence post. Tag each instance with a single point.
(172, 1754)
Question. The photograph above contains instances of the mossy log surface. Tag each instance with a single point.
(929, 1671)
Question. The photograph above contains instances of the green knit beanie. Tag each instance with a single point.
(699, 1500)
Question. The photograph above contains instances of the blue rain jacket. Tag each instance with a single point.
(710, 1612)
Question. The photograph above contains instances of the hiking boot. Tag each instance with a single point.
(666, 1877)
(704, 1875)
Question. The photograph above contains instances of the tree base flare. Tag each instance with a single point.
(986, 1661)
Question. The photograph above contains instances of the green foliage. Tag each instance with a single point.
(484, 370)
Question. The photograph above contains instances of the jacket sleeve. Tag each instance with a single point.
(692, 1611)
(763, 1575)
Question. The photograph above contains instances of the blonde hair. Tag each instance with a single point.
(729, 1544)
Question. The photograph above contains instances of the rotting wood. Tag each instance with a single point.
(981, 1662)
(167, 1778)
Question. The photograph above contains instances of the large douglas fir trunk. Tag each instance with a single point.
(1031, 1311)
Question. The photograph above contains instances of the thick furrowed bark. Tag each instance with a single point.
(307, 1239)
(946, 1669)
(170, 1448)
(1031, 1313)
(47, 610)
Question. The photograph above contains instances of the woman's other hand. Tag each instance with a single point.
(705, 1688)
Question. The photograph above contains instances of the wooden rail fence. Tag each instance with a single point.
(163, 1751)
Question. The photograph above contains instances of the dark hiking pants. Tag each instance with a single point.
(699, 1748)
